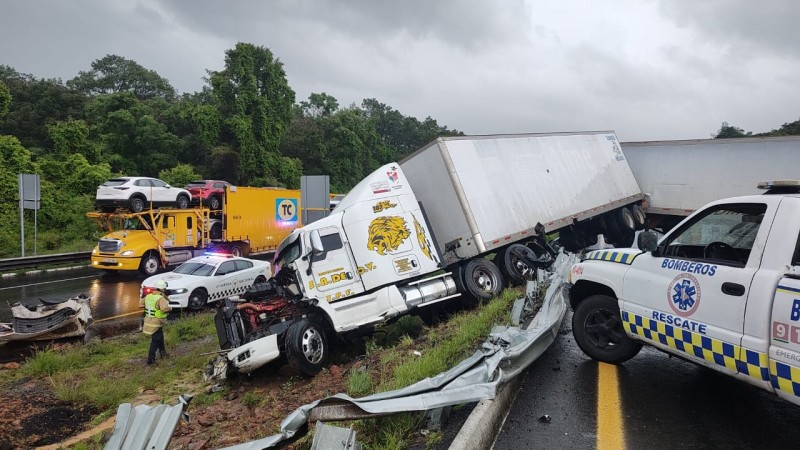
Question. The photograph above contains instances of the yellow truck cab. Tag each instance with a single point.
(252, 221)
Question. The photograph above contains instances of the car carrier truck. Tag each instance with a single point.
(252, 221)
(415, 234)
(682, 176)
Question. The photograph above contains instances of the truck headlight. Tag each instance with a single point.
(179, 291)
(127, 253)
(94, 251)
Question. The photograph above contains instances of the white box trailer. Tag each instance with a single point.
(484, 192)
(682, 176)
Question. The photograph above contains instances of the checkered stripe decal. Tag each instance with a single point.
(610, 255)
(784, 377)
(227, 293)
(752, 363)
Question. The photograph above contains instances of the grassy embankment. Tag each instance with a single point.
(109, 372)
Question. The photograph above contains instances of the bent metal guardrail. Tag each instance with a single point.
(9, 264)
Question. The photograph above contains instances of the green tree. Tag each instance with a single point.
(132, 136)
(5, 99)
(223, 164)
(319, 105)
(72, 136)
(180, 175)
(255, 104)
(114, 74)
(727, 132)
(36, 103)
(16, 159)
(787, 129)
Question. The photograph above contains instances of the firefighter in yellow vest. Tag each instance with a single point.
(156, 306)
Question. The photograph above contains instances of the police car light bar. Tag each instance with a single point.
(780, 186)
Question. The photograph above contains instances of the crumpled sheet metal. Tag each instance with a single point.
(146, 427)
(504, 355)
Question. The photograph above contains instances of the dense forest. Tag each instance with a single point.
(119, 118)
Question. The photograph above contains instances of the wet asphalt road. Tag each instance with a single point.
(665, 403)
(115, 301)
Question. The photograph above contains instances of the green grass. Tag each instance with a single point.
(441, 348)
(359, 383)
(109, 372)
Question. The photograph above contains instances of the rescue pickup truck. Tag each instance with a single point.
(721, 289)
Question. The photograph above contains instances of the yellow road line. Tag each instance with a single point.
(609, 409)
(141, 312)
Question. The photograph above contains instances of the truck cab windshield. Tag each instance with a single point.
(287, 255)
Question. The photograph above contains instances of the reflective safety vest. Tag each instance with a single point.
(151, 308)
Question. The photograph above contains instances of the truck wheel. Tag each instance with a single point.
(482, 280)
(198, 299)
(513, 268)
(639, 215)
(137, 204)
(216, 231)
(598, 331)
(236, 251)
(307, 346)
(625, 220)
(150, 264)
(214, 203)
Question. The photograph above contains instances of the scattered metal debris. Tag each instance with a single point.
(329, 437)
(146, 427)
(545, 419)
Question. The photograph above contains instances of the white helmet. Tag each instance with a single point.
(161, 285)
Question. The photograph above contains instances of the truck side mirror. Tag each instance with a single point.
(316, 243)
(648, 241)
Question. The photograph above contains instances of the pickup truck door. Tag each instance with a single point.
(689, 296)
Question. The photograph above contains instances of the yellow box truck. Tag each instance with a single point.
(252, 221)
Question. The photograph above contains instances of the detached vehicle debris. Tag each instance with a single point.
(721, 289)
(413, 235)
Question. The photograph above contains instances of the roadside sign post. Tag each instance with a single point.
(315, 197)
(29, 198)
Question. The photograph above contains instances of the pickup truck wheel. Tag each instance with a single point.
(150, 264)
(482, 280)
(198, 299)
(307, 346)
(598, 331)
(182, 202)
(137, 204)
(214, 203)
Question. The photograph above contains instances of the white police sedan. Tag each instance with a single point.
(209, 278)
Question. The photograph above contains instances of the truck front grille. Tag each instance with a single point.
(109, 245)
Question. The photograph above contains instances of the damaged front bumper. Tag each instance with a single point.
(252, 355)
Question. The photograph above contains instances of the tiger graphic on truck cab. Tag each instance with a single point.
(386, 234)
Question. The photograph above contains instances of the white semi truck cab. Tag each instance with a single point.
(371, 260)
(721, 289)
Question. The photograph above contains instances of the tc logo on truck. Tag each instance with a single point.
(286, 209)
(684, 295)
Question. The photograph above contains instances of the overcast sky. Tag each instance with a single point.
(648, 69)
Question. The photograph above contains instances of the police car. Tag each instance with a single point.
(209, 278)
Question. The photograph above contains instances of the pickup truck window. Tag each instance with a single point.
(723, 234)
